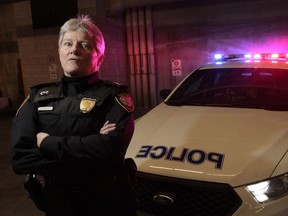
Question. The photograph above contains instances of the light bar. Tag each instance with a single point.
(256, 57)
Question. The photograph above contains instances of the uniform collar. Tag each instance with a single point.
(79, 84)
(93, 77)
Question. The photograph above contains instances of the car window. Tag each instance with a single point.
(235, 87)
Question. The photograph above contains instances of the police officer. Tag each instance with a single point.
(75, 133)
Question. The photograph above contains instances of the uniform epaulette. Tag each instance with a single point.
(46, 91)
(116, 84)
(44, 85)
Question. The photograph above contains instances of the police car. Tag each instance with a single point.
(217, 145)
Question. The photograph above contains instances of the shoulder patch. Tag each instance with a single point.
(125, 101)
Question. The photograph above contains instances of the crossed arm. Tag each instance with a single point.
(107, 127)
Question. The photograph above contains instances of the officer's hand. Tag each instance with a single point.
(40, 136)
(107, 127)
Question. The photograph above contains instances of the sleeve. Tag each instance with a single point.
(26, 156)
(96, 148)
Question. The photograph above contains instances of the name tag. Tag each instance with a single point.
(48, 108)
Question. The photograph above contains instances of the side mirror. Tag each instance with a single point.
(164, 93)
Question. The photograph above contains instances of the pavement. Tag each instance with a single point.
(13, 199)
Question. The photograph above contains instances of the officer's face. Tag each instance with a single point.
(78, 55)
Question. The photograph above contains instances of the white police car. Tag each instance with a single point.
(218, 143)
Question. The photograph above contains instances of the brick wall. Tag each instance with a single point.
(38, 48)
(8, 53)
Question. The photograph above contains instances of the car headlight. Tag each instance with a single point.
(269, 190)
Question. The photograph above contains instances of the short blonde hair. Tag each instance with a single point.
(83, 23)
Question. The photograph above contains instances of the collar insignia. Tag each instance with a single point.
(87, 104)
(44, 92)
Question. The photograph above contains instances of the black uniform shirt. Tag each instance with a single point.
(72, 112)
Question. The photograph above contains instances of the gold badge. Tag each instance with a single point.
(87, 104)
(125, 101)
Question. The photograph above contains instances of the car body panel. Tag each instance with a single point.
(251, 148)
